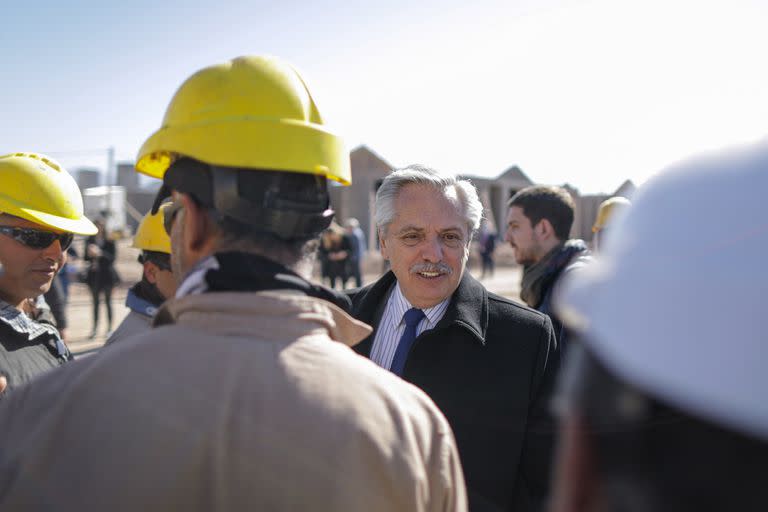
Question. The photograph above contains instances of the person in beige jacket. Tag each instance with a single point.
(246, 394)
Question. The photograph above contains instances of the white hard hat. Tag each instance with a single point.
(676, 304)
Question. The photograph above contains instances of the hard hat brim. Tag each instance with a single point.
(289, 145)
(82, 226)
(163, 249)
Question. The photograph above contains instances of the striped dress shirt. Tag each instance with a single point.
(392, 326)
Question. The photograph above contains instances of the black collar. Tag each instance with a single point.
(248, 272)
(468, 308)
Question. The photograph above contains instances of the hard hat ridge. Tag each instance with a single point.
(38, 189)
(251, 112)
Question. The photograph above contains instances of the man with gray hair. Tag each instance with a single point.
(487, 362)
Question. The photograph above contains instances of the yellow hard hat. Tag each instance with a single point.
(151, 235)
(607, 210)
(250, 112)
(38, 189)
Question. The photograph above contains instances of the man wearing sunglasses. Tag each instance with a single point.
(40, 211)
(157, 281)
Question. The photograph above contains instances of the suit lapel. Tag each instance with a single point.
(468, 308)
(368, 306)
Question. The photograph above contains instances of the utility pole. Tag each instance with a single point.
(110, 170)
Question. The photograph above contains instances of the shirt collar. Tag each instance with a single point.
(24, 325)
(467, 308)
(400, 305)
(139, 305)
(194, 282)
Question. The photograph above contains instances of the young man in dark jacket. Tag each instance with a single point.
(538, 223)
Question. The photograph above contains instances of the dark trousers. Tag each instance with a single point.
(96, 292)
(487, 264)
(354, 272)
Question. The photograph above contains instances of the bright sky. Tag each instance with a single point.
(585, 92)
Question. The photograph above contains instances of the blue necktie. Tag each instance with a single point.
(412, 318)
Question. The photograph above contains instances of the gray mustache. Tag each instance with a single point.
(431, 267)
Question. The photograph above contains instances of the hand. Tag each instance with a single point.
(63, 334)
(337, 256)
(3, 383)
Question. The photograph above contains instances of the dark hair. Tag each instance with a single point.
(656, 457)
(161, 260)
(552, 203)
(239, 236)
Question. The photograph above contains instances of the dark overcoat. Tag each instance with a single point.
(489, 365)
(101, 272)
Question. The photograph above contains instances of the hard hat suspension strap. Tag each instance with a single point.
(287, 218)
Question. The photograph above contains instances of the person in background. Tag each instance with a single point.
(245, 395)
(487, 240)
(358, 249)
(56, 301)
(606, 215)
(539, 220)
(101, 277)
(335, 251)
(69, 272)
(662, 404)
(157, 280)
(40, 211)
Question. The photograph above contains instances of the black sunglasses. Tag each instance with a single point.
(36, 238)
(169, 214)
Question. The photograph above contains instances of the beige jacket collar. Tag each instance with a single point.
(290, 315)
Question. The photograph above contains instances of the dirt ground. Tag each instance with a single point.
(505, 281)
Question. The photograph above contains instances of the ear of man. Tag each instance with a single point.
(383, 244)
(198, 228)
(150, 272)
(201, 235)
(545, 230)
